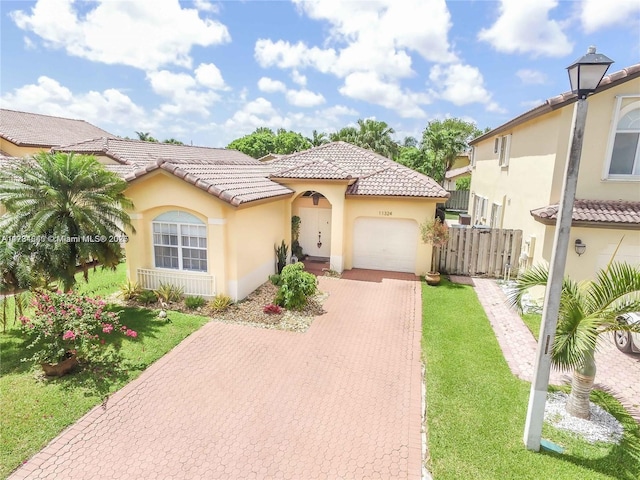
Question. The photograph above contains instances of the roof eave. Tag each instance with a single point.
(560, 101)
(590, 224)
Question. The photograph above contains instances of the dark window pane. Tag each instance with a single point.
(625, 148)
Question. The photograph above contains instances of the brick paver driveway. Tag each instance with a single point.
(235, 402)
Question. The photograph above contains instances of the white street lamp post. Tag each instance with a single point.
(585, 75)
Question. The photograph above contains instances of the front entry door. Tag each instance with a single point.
(315, 229)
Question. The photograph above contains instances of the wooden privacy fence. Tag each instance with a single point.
(458, 200)
(490, 252)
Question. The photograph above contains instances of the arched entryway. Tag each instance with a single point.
(314, 211)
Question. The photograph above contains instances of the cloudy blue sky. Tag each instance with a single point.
(208, 72)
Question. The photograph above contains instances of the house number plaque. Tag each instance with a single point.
(385, 213)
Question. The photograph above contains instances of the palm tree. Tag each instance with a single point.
(587, 311)
(318, 139)
(376, 136)
(70, 210)
(444, 144)
(146, 137)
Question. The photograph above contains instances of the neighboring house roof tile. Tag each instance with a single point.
(559, 101)
(457, 172)
(139, 152)
(595, 213)
(234, 184)
(35, 130)
(374, 174)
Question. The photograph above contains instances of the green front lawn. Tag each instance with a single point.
(34, 410)
(476, 408)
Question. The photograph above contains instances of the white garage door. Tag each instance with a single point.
(385, 244)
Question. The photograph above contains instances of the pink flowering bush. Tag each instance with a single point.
(68, 323)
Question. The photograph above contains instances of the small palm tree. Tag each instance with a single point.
(587, 311)
(146, 137)
(69, 208)
(318, 139)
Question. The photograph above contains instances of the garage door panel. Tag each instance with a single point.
(385, 244)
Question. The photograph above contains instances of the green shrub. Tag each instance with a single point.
(220, 303)
(194, 302)
(169, 292)
(296, 286)
(275, 279)
(147, 297)
(130, 290)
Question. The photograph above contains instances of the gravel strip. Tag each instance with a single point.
(249, 311)
(603, 427)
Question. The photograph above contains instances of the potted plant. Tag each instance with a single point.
(67, 327)
(436, 233)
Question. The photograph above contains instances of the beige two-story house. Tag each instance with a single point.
(518, 174)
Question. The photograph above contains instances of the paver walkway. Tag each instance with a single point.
(617, 373)
(340, 401)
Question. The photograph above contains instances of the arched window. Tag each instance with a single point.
(625, 155)
(180, 242)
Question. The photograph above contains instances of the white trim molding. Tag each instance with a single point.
(216, 221)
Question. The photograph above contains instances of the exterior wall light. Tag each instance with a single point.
(579, 247)
(586, 73)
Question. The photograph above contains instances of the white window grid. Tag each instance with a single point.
(180, 246)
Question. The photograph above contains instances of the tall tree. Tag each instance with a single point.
(588, 310)
(146, 137)
(173, 141)
(377, 136)
(345, 134)
(290, 142)
(444, 140)
(70, 209)
(263, 141)
(318, 139)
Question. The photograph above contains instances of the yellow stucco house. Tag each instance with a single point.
(518, 171)
(460, 168)
(207, 219)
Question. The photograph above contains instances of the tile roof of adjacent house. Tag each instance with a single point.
(35, 130)
(235, 184)
(368, 172)
(137, 152)
(457, 172)
(610, 213)
(559, 101)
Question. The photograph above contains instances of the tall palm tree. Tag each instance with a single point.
(318, 139)
(146, 137)
(587, 311)
(376, 136)
(69, 208)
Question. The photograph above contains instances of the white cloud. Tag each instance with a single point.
(182, 91)
(298, 78)
(369, 87)
(49, 97)
(148, 35)
(531, 77)
(374, 37)
(597, 14)
(269, 85)
(461, 85)
(525, 27)
(206, 6)
(208, 75)
(304, 98)
(531, 103)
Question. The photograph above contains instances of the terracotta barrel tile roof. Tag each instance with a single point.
(234, 184)
(595, 212)
(34, 130)
(374, 174)
(137, 151)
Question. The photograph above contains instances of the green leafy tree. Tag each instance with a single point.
(445, 139)
(257, 144)
(289, 142)
(173, 141)
(463, 183)
(70, 210)
(318, 139)
(588, 310)
(146, 137)
(371, 134)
